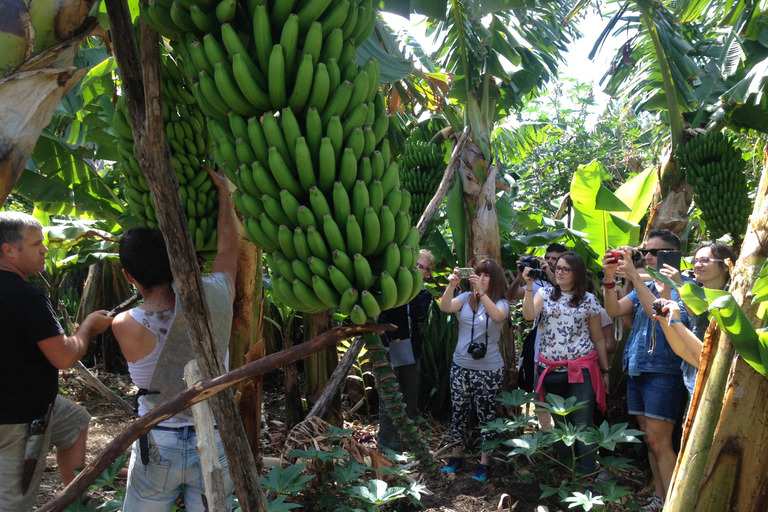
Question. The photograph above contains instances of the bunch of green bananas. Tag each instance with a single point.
(301, 129)
(191, 145)
(715, 168)
(422, 169)
(29, 28)
(174, 18)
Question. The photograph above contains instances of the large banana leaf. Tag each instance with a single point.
(594, 207)
(457, 219)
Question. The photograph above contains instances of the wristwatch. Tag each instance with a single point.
(605, 370)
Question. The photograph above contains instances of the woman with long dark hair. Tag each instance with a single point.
(478, 368)
(572, 357)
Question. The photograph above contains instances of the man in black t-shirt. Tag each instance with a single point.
(34, 348)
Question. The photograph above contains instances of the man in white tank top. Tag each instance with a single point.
(154, 341)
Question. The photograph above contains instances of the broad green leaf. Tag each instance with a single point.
(392, 68)
(601, 231)
(637, 193)
(760, 288)
(377, 492)
(606, 200)
(695, 297)
(624, 225)
(506, 213)
(731, 319)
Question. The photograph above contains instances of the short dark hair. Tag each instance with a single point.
(144, 255)
(556, 247)
(666, 235)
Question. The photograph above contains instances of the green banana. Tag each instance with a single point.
(369, 304)
(404, 286)
(343, 262)
(276, 78)
(317, 245)
(318, 97)
(363, 274)
(348, 169)
(348, 301)
(301, 245)
(338, 279)
(324, 292)
(333, 234)
(303, 85)
(285, 240)
(357, 315)
(248, 86)
(360, 199)
(327, 166)
(290, 206)
(388, 291)
(304, 166)
(289, 38)
(283, 175)
(265, 181)
(354, 235)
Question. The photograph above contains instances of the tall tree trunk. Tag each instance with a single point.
(319, 367)
(736, 473)
(246, 343)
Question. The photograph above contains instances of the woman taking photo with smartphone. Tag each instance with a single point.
(573, 358)
(478, 368)
(711, 271)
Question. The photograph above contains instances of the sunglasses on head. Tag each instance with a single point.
(654, 252)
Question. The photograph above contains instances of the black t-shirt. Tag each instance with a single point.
(28, 381)
(419, 309)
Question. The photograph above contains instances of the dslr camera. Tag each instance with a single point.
(476, 350)
(659, 306)
(535, 273)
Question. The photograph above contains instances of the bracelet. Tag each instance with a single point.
(528, 290)
(609, 286)
(675, 321)
(605, 370)
(478, 295)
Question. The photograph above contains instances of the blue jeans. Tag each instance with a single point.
(174, 468)
(557, 383)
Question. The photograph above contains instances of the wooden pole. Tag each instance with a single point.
(195, 394)
(207, 447)
(141, 86)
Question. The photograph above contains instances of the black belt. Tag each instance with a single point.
(191, 428)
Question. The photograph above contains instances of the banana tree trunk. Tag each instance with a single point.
(735, 476)
(672, 199)
(246, 343)
(28, 99)
(319, 367)
(478, 179)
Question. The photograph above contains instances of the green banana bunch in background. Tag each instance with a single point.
(423, 164)
(31, 27)
(715, 168)
(191, 146)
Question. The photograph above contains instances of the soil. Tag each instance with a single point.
(506, 491)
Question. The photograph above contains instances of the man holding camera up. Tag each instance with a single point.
(655, 385)
(547, 263)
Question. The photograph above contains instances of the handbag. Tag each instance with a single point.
(401, 353)
(526, 373)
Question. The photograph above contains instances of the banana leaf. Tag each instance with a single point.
(594, 207)
(457, 219)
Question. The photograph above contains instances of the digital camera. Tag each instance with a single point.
(536, 274)
(658, 307)
(476, 350)
(527, 261)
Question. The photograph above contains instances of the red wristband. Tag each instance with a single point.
(610, 285)
(478, 295)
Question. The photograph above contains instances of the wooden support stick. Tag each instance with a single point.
(192, 395)
(338, 376)
(207, 447)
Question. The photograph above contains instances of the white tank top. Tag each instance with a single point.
(157, 322)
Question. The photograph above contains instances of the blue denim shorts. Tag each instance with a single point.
(655, 395)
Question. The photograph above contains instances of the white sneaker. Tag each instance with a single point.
(655, 504)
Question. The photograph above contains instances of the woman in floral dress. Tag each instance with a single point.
(573, 360)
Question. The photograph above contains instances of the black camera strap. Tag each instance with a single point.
(472, 332)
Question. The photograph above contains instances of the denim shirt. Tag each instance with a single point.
(662, 359)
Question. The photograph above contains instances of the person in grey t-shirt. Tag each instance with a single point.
(478, 368)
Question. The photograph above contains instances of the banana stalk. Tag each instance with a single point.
(389, 390)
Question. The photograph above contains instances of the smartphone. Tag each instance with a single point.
(671, 258)
(464, 273)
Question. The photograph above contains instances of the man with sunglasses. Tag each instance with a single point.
(655, 385)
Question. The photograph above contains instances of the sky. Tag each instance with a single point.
(578, 65)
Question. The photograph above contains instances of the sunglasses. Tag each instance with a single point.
(563, 270)
(704, 261)
(654, 252)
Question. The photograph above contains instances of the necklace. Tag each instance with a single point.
(566, 291)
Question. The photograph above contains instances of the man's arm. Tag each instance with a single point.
(515, 291)
(64, 351)
(227, 241)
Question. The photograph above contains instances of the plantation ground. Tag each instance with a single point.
(457, 493)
